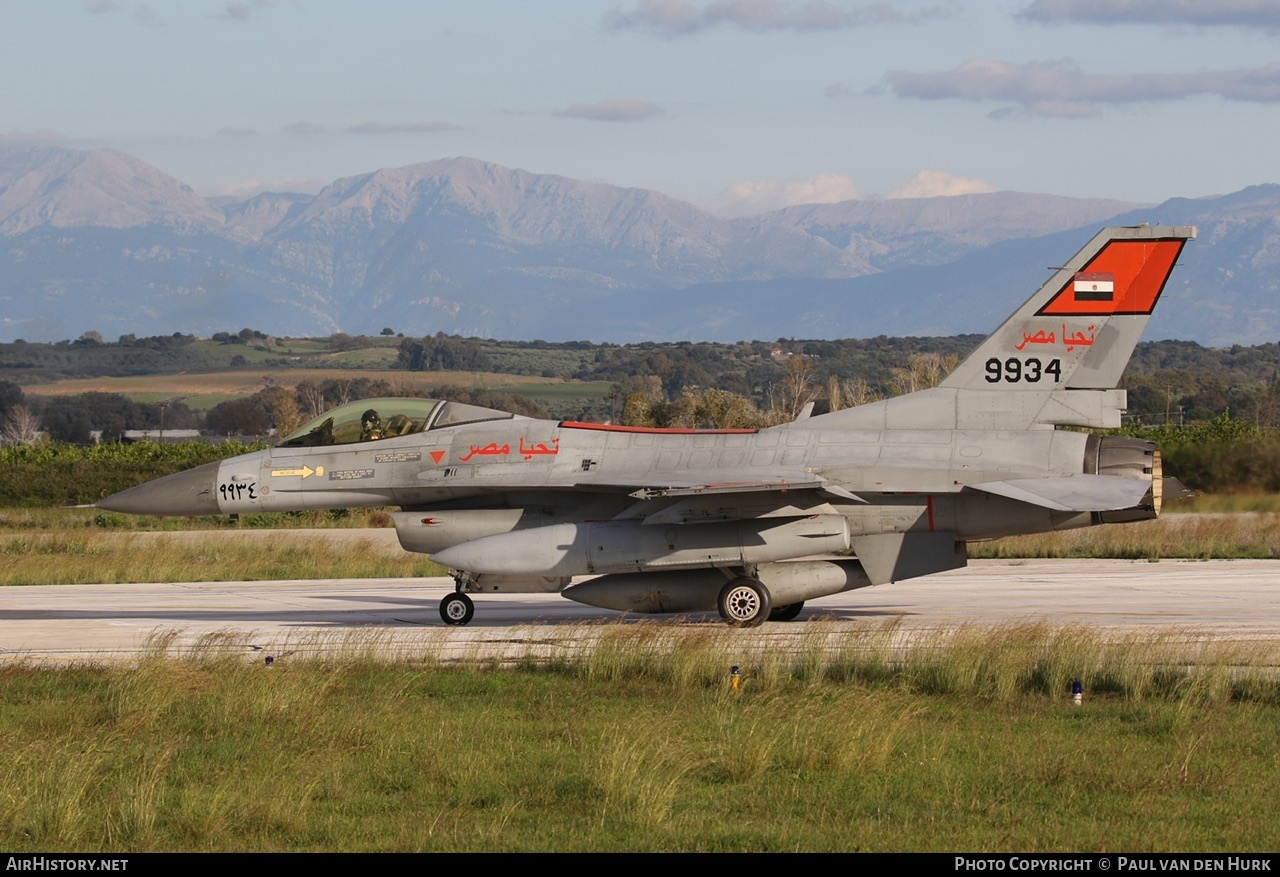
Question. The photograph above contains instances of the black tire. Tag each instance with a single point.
(744, 602)
(457, 609)
(787, 612)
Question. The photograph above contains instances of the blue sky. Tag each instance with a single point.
(736, 105)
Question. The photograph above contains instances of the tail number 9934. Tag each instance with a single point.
(1032, 370)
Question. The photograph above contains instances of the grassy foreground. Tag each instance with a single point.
(86, 518)
(1205, 536)
(957, 741)
(89, 557)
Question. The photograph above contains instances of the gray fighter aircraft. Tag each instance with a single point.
(671, 520)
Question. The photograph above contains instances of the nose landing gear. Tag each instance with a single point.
(457, 609)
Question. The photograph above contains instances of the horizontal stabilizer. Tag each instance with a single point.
(1072, 493)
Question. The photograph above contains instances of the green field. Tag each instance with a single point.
(205, 390)
(961, 742)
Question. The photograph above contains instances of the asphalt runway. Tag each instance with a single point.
(1224, 600)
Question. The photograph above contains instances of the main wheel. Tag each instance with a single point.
(787, 612)
(744, 602)
(457, 609)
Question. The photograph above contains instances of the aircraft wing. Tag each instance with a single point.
(694, 501)
(699, 488)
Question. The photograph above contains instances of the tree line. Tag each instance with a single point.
(652, 383)
(81, 418)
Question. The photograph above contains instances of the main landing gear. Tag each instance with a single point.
(787, 612)
(744, 602)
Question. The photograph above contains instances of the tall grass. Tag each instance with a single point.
(1222, 503)
(36, 518)
(1201, 536)
(997, 662)
(1000, 662)
(91, 556)
(875, 737)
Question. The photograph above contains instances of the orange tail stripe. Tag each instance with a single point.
(1140, 269)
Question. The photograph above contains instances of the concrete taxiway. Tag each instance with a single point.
(1226, 600)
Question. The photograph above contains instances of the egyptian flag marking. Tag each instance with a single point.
(1094, 286)
(1126, 277)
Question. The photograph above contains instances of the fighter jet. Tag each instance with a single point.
(752, 522)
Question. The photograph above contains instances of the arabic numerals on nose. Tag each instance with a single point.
(232, 491)
(1013, 370)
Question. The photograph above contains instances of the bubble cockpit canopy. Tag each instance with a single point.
(374, 419)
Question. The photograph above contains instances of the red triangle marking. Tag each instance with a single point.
(436, 455)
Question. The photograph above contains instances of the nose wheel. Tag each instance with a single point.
(457, 609)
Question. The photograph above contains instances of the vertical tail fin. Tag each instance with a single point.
(1079, 329)
(1058, 359)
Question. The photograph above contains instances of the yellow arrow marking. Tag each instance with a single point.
(282, 473)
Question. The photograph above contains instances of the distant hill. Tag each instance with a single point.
(99, 240)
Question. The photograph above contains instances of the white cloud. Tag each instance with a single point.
(612, 111)
(675, 18)
(145, 15)
(43, 137)
(402, 127)
(249, 188)
(933, 183)
(242, 11)
(142, 13)
(1261, 14)
(1061, 89)
(760, 196)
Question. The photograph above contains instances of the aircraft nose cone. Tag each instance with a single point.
(193, 492)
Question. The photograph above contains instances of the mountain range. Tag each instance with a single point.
(100, 240)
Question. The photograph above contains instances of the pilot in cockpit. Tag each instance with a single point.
(370, 426)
